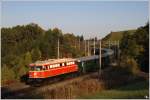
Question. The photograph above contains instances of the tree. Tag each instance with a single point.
(21, 69)
(7, 73)
(36, 54)
(27, 58)
(142, 38)
(136, 46)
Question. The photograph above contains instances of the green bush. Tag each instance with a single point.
(7, 73)
(130, 64)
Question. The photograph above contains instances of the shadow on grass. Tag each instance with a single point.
(25, 93)
(137, 90)
(121, 84)
(138, 85)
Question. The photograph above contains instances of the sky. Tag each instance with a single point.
(87, 18)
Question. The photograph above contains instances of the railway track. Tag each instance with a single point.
(51, 83)
(25, 92)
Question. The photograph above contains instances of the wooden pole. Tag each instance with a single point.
(118, 54)
(100, 60)
(85, 47)
(58, 50)
(109, 44)
(79, 43)
(88, 48)
(83, 66)
(94, 45)
(118, 50)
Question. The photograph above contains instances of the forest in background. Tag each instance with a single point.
(134, 47)
(24, 44)
(21, 45)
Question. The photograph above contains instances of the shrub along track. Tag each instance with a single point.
(26, 91)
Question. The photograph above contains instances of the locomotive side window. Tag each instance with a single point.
(47, 67)
(69, 63)
(63, 64)
(72, 62)
(44, 67)
(50, 66)
(58, 65)
(54, 65)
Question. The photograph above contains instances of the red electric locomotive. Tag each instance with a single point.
(52, 67)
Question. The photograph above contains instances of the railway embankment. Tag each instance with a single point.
(80, 86)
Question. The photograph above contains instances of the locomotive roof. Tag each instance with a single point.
(51, 61)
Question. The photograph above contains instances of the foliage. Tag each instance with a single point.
(36, 54)
(24, 44)
(135, 48)
(27, 58)
(7, 73)
(114, 36)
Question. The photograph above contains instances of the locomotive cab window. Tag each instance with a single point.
(36, 68)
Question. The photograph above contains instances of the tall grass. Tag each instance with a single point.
(133, 91)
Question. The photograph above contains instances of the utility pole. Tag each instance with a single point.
(83, 66)
(58, 50)
(118, 49)
(94, 45)
(109, 44)
(79, 43)
(88, 48)
(85, 47)
(118, 53)
(75, 44)
(100, 60)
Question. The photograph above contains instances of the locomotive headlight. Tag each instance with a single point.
(35, 74)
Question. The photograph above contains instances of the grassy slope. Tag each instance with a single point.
(134, 90)
(121, 84)
(116, 35)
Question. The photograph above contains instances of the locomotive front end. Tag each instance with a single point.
(36, 72)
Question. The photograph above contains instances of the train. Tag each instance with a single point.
(41, 70)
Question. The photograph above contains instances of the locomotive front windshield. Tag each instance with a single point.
(36, 68)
